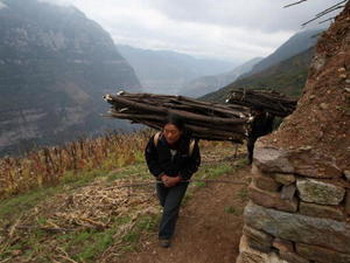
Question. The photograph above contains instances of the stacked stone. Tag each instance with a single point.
(299, 210)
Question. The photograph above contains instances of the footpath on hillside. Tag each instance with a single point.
(208, 230)
(98, 219)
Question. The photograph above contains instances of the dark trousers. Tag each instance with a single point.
(170, 199)
(250, 148)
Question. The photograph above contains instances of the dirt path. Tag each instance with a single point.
(208, 230)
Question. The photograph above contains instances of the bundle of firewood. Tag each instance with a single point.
(204, 120)
(271, 101)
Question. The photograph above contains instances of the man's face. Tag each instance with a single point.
(171, 133)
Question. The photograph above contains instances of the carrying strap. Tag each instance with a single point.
(191, 148)
(158, 135)
(156, 138)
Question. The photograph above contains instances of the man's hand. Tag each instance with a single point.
(170, 181)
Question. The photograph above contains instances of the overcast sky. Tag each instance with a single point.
(235, 30)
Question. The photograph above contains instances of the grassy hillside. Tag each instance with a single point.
(288, 77)
(83, 210)
(298, 43)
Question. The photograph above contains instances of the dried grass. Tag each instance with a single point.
(48, 165)
(96, 207)
(90, 207)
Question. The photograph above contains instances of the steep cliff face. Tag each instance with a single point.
(300, 192)
(55, 66)
(321, 120)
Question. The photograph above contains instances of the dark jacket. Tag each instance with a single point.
(261, 125)
(160, 160)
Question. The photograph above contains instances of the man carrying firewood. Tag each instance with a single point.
(172, 157)
(260, 124)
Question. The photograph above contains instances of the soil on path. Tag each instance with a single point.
(208, 230)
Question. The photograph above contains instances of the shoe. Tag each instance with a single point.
(165, 243)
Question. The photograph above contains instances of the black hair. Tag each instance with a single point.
(176, 120)
(258, 108)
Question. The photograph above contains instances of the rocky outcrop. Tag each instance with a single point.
(297, 228)
(320, 192)
(55, 66)
(300, 211)
(292, 218)
(302, 161)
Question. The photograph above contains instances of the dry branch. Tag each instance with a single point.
(295, 3)
(326, 11)
(205, 120)
(274, 102)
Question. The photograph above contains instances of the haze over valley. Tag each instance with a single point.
(56, 62)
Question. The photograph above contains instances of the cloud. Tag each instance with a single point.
(2, 5)
(267, 15)
(235, 30)
(201, 39)
(57, 2)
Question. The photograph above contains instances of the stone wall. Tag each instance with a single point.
(299, 212)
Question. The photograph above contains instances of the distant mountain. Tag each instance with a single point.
(207, 84)
(167, 71)
(55, 65)
(285, 69)
(288, 77)
(298, 43)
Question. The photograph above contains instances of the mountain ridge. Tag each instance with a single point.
(296, 44)
(288, 77)
(55, 66)
(207, 84)
(280, 65)
(163, 71)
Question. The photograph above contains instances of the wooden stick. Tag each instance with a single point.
(272, 101)
(206, 120)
